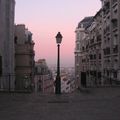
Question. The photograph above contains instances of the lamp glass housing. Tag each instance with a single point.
(58, 38)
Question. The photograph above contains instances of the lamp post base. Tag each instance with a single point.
(58, 85)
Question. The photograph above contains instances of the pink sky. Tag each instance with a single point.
(45, 18)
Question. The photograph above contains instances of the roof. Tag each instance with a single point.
(86, 22)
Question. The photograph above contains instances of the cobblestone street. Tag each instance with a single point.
(95, 104)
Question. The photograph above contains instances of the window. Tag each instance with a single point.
(106, 7)
(115, 11)
(99, 74)
(15, 40)
(115, 39)
(114, 23)
(99, 38)
(83, 48)
(0, 65)
(115, 74)
(107, 73)
(94, 56)
(92, 41)
(77, 46)
(99, 56)
(114, 1)
(77, 59)
(29, 38)
(115, 49)
(91, 57)
(108, 17)
(106, 51)
(108, 29)
(77, 36)
(36, 70)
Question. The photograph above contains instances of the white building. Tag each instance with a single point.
(67, 81)
(7, 44)
(65, 84)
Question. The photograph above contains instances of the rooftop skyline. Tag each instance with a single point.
(45, 18)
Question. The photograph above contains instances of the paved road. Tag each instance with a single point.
(93, 104)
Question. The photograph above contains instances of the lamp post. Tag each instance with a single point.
(58, 78)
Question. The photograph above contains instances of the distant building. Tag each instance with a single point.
(67, 79)
(71, 76)
(7, 44)
(44, 82)
(65, 82)
(24, 58)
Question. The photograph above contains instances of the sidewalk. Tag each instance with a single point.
(97, 104)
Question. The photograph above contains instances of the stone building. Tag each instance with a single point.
(97, 54)
(94, 50)
(24, 58)
(7, 44)
(111, 41)
(80, 50)
(43, 80)
(89, 62)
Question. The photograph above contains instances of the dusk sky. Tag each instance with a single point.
(45, 18)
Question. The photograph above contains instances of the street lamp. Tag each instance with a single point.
(58, 79)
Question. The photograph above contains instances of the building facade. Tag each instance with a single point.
(97, 54)
(94, 51)
(65, 81)
(7, 44)
(43, 80)
(24, 58)
(80, 50)
(111, 41)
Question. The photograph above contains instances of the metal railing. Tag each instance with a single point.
(104, 81)
(16, 83)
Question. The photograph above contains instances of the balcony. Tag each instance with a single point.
(92, 57)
